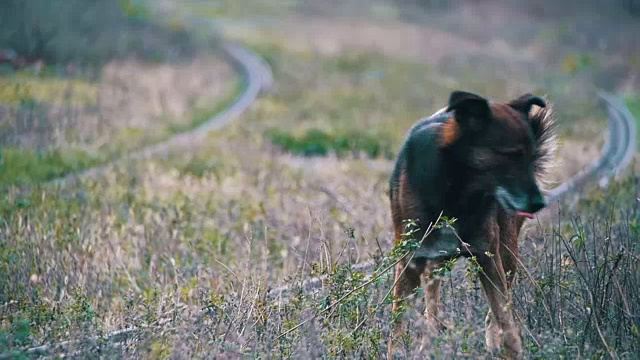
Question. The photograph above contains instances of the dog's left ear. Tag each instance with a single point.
(523, 103)
(471, 110)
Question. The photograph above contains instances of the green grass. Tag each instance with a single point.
(633, 102)
(353, 101)
(316, 142)
(356, 92)
(19, 166)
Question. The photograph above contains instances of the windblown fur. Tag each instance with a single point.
(544, 130)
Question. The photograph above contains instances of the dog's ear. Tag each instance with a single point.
(540, 119)
(470, 110)
(523, 103)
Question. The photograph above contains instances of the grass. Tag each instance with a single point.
(169, 127)
(185, 247)
(234, 9)
(580, 273)
(28, 166)
(24, 166)
(57, 125)
(21, 88)
(351, 93)
(315, 142)
(85, 106)
(200, 115)
(633, 102)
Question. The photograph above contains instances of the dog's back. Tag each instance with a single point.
(406, 201)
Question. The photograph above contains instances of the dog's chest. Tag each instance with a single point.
(449, 242)
(443, 243)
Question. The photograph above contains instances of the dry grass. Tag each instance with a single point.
(72, 123)
(157, 241)
(143, 101)
(90, 104)
(132, 102)
(185, 247)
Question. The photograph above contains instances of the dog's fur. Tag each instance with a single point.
(478, 161)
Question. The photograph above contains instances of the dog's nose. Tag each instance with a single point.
(536, 203)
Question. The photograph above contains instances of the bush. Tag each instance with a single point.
(316, 142)
(85, 31)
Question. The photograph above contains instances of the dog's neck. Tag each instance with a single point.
(466, 198)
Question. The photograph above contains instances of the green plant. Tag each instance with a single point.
(316, 142)
(633, 102)
(28, 166)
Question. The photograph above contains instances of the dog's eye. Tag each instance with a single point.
(511, 152)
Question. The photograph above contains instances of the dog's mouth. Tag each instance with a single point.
(507, 201)
(524, 214)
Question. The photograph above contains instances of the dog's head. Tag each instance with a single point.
(497, 143)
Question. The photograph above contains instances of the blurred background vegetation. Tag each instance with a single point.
(77, 83)
(86, 32)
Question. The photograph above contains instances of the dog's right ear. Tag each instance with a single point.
(470, 110)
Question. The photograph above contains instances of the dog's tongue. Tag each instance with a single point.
(525, 214)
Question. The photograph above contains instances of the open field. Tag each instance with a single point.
(68, 116)
(185, 247)
(132, 105)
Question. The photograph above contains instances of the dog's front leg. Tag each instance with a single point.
(500, 324)
(407, 280)
(432, 293)
(433, 300)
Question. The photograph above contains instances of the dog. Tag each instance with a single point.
(480, 162)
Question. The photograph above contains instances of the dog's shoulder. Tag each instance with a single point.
(426, 132)
(420, 146)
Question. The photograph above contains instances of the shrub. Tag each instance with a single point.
(85, 31)
(317, 142)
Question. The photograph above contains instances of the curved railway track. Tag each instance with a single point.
(616, 155)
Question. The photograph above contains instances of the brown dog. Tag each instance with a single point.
(477, 161)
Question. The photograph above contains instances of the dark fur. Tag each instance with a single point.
(479, 162)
